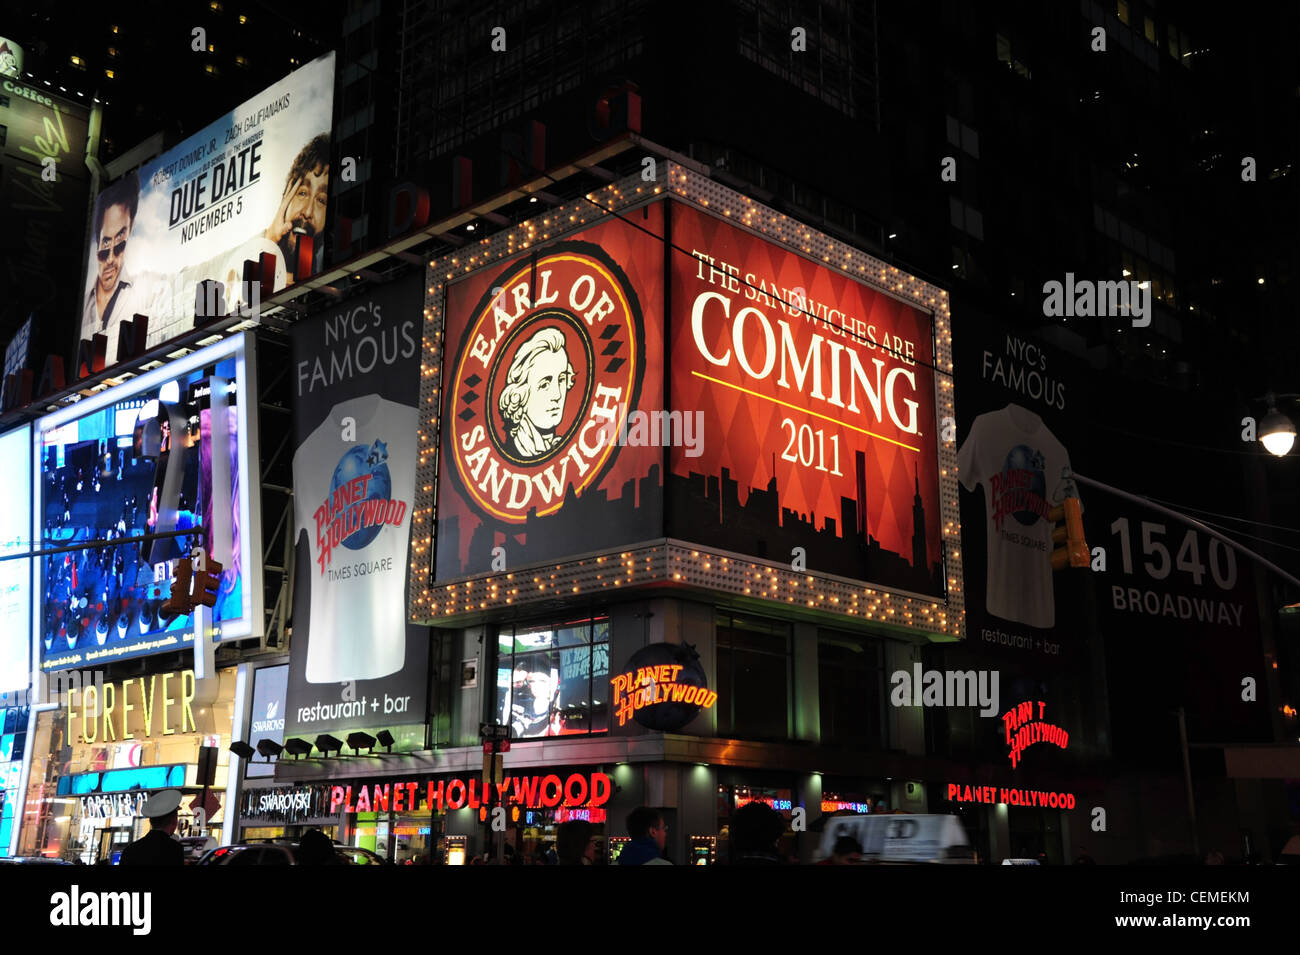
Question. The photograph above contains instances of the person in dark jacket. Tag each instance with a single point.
(575, 843)
(756, 828)
(157, 847)
(649, 832)
(315, 848)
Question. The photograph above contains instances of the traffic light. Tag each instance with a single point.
(1068, 516)
(206, 583)
(178, 603)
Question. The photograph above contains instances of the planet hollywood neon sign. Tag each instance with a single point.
(528, 792)
(1023, 729)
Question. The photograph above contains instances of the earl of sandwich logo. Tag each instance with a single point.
(549, 367)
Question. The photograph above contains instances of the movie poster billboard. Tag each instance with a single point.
(166, 454)
(355, 662)
(547, 357)
(815, 397)
(255, 181)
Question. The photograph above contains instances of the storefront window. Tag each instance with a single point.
(851, 689)
(553, 680)
(753, 677)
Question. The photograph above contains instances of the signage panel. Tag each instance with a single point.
(818, 400)
(168, 451)
(253, 182)
(356, 663)
(547, 358)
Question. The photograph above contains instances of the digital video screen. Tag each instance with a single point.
(160, 462)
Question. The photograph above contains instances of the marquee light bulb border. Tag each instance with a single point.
(669, 561)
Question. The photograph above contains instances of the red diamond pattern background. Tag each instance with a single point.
(745, 433)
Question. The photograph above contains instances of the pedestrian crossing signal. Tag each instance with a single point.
(1067, 536)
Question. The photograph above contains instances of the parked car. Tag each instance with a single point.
(35, 860)
(282, 852)
(196, 846)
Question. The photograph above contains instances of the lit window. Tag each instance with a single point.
(212, 48)
(242, 18)
(114, 29)
(211, 68)
(78, 61)
(109, 74)
(214, 6)
(1149, 29)
(1121, 10)
(241, 61)
(112, 51)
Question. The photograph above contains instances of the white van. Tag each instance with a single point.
(902, 838)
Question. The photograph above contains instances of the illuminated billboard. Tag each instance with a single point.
(552, 354)
(817, 395)
(129, 480)
(253, 182)
(686, 388)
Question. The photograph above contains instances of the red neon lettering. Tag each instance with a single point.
(952, 791)
(528, 791)
(435, 796)
(600, 789)
(454, 801)
(411, 797)
(336, 798)
(570, 799)
(348, 801)
(502, 788)
(473, 797)
(381, 798)
(550, 801)
(399, 796)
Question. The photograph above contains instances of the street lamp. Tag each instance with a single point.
(1277, 431)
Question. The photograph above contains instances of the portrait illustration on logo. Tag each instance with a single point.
(548, 364)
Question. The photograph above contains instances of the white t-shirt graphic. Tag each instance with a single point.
(1025, 472)
(352, 500)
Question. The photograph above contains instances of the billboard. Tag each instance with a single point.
(816, 395)
(267, 721)
(169, 451)
(252, 182)
(16, 572)
(357, 376)
(548, 356)
(44, 185)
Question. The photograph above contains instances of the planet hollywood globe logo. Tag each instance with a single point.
(549, 366)
(359, 503)
(1020, 490)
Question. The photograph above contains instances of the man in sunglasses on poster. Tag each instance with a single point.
(115, 295)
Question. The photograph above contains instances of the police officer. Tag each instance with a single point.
(157, 847)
